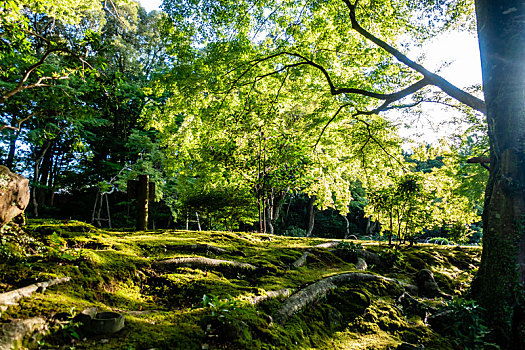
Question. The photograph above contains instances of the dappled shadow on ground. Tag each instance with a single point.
(202, 307)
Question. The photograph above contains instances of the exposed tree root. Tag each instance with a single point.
(11, 297)
(200, 262)
(270, 295)
(12, 333)
(200, 248)
(300, 262)
(327, 245)
(319, 289)
(411, 306)
(427, 285)
(352, 256)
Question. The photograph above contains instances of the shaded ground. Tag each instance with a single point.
(216, 292)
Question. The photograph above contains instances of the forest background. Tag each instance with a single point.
(269, 116)
(111, 92)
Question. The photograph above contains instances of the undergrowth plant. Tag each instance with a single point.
(351, 246)
(467, 329)
(222, 310)
(392, 256)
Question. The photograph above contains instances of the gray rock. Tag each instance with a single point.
(14, 195)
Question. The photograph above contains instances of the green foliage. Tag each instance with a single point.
(57, 248)
(404, 207)
(71, 328)
(351, 246)
(222, 310)
(467, 327)
(393, 257)
(428, 198)
(16, 245)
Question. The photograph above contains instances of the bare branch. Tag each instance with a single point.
(371, 137)
(388, 98)
(483, 161)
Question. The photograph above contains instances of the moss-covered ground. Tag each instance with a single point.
(115, 271)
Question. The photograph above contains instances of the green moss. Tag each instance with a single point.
(113, 270)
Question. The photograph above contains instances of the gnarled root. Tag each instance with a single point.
(11, 297)
(270, 295)
(200, 262)
(319, 289)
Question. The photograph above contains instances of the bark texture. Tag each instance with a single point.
(199, 262)
(13, 332)
(270, 295)
(498, 286)
(313, 292)
(310, 216)
(301, 261)
(12, 297)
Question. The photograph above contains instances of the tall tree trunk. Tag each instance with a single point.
(143, 203)
(498, 286)
(273, 209)
(310, 216)
(36, 175)
(269, 220)
(347, 232)
(45, 172)
(12, 149)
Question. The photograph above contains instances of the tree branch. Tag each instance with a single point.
(388, 98)
(27, 73)
(329, 122)
(432, 78)
(20, 122)
(483, 161)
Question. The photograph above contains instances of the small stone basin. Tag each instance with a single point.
(106, 323)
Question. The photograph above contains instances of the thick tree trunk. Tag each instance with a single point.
(36, 176)
(143, 202)
(498, 286)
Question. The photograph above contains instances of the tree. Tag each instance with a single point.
(428, 197)
(499, 284)
(29, 43)
(74, 82)
(317, 36)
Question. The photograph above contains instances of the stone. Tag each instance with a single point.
(14, 195)
(427, 284)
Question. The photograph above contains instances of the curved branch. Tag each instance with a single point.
(39, 83)
(20, 86)
(19, 123)
(388, 98)
(434, 79)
